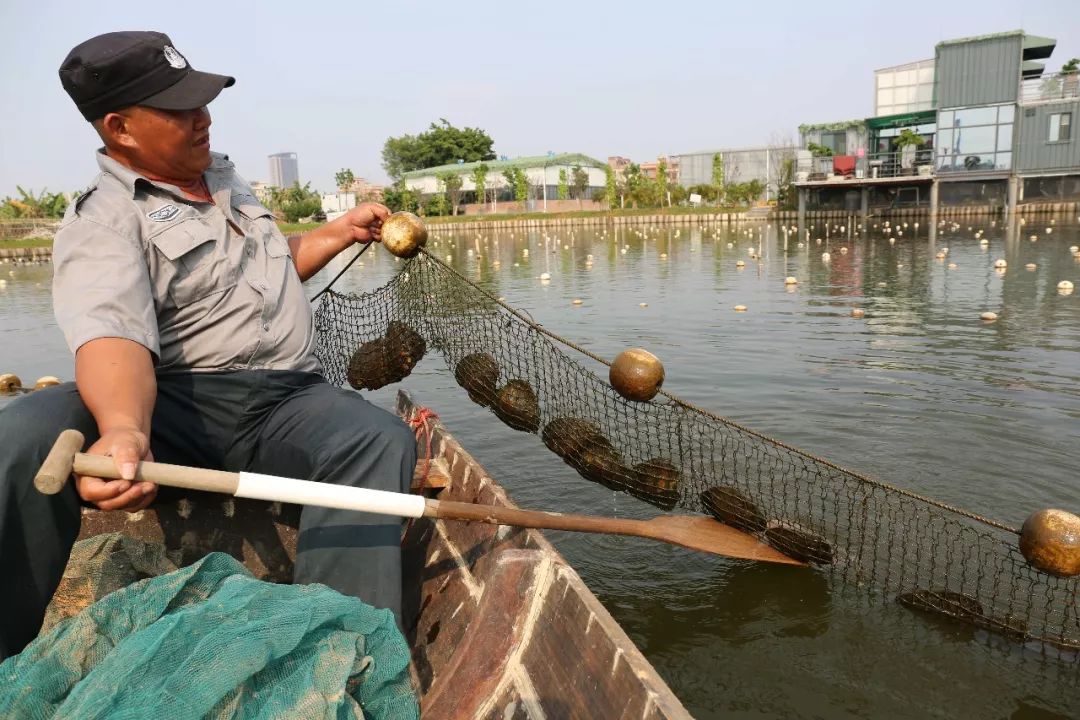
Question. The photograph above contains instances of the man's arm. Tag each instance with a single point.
(311, 251)
(115, 378)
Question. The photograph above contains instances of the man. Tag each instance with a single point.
(183, 304)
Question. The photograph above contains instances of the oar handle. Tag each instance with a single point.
(64, 459)
(179, 476)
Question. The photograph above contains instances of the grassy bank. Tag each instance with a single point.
(45, 242)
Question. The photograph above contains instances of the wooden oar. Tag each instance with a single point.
(694, 532)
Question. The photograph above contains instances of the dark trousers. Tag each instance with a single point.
(275, 422)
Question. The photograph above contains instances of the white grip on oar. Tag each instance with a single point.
(306, 492)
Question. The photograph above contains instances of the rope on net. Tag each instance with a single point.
(895, 543)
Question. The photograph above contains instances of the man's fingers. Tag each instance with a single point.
(129, 498)
(96, 490)
(148, 497)
(126, 454)
(380, 211)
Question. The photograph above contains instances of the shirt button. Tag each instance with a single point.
(266, 326)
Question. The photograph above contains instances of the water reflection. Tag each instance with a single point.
(919, 392)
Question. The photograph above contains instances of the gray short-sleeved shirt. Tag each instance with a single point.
(203, 286)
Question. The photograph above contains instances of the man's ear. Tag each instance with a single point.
(115, 130)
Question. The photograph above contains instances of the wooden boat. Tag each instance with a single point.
(500, 625)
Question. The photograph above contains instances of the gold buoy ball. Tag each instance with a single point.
(46, 381)
(478, 373)
(517, 406)
(404, 234)
(1000, 264)
(1050, 540)
(1065, 285)
(637, 375)
(988, 316)
(9, 383)
(857, 312)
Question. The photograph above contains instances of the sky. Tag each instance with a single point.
(333, 80)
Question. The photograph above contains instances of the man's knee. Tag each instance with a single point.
(30, 424)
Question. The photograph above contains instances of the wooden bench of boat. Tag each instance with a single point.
(500, 625)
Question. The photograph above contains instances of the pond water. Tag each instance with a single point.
(920, 393)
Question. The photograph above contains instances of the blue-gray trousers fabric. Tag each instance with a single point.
(292, 424)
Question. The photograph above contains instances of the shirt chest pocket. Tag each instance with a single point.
(193, 264)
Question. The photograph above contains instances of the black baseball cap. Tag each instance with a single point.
(119, 69)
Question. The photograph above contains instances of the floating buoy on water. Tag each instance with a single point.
(1074, 249)
(882, 284)
(892, 241)
(825, 257)
(984, 241)
(644, 305)
(1050, 540)
(9, 383)
(1049, 230)
(50, 380)
(1065, 285)
(739, 308)
(1030, 266)
(1033, 238)
(1000, 264)
(843, 251)
(857, 312)
(952, 266)
(940, 255)
(791, 280)
(578, 301)
(740, 263)
(545, 276)
(663, 256)
(988, 316)
(637, 374)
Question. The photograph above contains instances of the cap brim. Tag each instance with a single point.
(195, 90)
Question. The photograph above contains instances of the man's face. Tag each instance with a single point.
(168, 144)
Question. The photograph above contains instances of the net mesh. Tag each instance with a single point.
(895, 544)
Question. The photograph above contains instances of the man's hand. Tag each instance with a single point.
(127, 448)
(361, 224)
(313, 250)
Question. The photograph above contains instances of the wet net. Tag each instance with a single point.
(896, 544)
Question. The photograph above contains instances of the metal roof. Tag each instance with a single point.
(520, 162)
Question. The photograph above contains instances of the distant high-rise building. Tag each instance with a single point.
(284, 170)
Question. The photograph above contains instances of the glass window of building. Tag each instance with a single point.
(975, 139)
(904, 88)
(835, 141)
(1060, 127)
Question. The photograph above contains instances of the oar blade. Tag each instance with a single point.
(711, 536)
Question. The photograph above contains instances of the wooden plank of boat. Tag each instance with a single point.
(504, 626)
(500, 625)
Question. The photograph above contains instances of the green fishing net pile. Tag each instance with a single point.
(211, 641)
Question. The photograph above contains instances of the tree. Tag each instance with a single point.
(782, 168)
(400, 196)
(1070, 67)
(610, 186)
(521, 185)
(451, 183)
(42, 205)
(661, 181)
(479, 178)
(563, 191)
(344, 179)
(295, 202)
(440, 144)
(717, 177)
(580, 179)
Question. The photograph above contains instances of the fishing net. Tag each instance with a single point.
(898, 545)
(206, 641)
